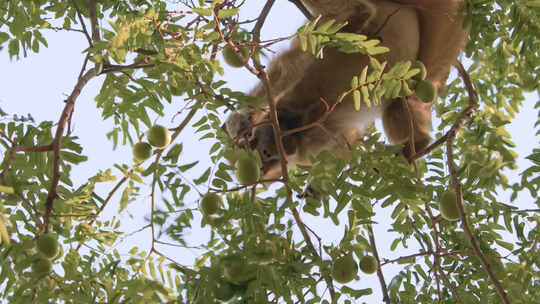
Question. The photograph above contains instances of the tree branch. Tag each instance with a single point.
(464, 117)
(14, 151)
(473, 104)
(70, 104)
(302, 8)
(262, 17)
(92, 5)
(380, 274)
(81, 20)
(263, 76)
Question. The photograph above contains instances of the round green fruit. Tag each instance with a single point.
(368, 264)
(417, 64)
(142, 151)
(47, 244)
(448, 207)
(41, 266)
(344, 269)
(224, 291)
(248, 171)
(425, 91)
(158, 136)
(232, 59)
(237, 271)
(210, 203)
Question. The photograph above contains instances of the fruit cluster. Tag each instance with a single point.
(48, 249)
(158, 136)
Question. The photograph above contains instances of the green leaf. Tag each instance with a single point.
(7, 189)
(354, 82)
(226, 13)
(356, 98)
(203, 11)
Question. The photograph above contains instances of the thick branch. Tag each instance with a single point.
(93, 19)
(262, 17)
(70, 103)
(302, 8)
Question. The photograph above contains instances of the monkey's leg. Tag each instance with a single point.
(401, 116)
(442, 38)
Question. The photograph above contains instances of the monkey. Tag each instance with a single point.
(430, 31)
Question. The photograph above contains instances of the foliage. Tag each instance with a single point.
(150, 52)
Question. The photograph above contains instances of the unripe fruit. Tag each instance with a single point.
(232, 59)
(47, 244)
(248, 171)
(417, 64)
(411, 83)
(368, 264)
(158, 136)
(405, 90)
(237, 271)
(425, 91)
(142, 151)
(210, 203)
(448, 206)
(224, 291)
(41, 266)
(344, 269)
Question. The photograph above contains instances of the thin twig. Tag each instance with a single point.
(465, 115)
(380, 274)
(81, 20)
(449, 284)
(473, 104)
(116, 68)
(436, 256)
(283, 161)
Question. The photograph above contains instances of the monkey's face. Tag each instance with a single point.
(252, 130)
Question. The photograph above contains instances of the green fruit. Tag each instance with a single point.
(158, 136)
(142, 151)
(47, 244)
(41, 266)
(448, 207)
(237, 271)
(425, 91)
(232, 59)
(405, 90)
(248, 171)
(417, 64)
(411, 83)
(344, 269)
(210, 203)
(368, 264)
(223, 291)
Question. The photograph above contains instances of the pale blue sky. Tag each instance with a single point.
(39, 84)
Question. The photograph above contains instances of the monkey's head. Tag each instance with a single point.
(253, 130)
